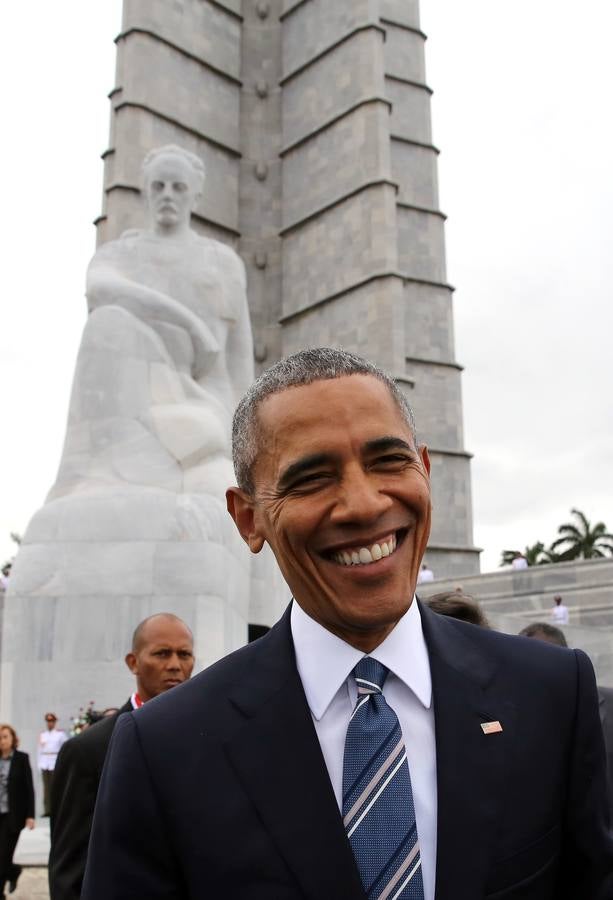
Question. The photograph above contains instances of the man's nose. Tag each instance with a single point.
(359, 497)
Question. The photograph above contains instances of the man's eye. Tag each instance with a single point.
(312, 479)
(391, 459)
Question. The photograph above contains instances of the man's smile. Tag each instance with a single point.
(365, 554)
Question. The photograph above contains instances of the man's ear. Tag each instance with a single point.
(425, 457)
(241, 507)
(131, 662)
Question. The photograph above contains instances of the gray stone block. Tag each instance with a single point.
(351, 73)
(344, 246)
(317, 25)
(414, 171)
(404, 54)
(404, 12)
(421, 245)
(410, 111)
(360, 149)
(201, 29)
(216, 114)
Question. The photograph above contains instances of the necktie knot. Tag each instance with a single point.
(370, 676)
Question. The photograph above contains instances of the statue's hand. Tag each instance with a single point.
(206, 349)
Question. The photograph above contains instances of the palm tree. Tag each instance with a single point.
(536, 555)
(507, 557)
(581, 540)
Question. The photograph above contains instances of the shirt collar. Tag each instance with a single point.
(325, 661)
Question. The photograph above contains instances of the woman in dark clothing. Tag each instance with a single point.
(16, 803)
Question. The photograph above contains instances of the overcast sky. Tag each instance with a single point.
(521, 93)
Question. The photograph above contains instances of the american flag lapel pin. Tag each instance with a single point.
(491, 727)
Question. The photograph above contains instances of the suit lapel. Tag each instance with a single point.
(278, 759)
(470, 764)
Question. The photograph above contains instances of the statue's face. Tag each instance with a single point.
(171, 190)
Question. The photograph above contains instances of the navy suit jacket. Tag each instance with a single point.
(605, 698)
(76, 777)
(219, 787)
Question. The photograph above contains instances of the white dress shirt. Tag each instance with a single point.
(325, 663)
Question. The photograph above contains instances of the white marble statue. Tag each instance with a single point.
(136, 522)
(167, 350)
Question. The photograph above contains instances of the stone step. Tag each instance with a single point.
(513, 599)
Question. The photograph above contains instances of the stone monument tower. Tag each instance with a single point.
(314, 120)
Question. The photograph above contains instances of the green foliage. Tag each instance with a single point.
(507, 557)
(581, 540)
(536, 555)
(577, 540)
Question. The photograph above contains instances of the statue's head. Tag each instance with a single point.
(173, 179)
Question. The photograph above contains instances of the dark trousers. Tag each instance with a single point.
(47, 779)
(8, 841)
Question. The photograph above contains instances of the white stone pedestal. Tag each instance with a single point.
(91, 567)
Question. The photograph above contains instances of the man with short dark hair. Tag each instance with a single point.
(543, 631)
(364, 747)
(162, 657)
(458, 605)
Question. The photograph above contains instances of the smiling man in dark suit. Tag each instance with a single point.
(365, 747)
(162, 656)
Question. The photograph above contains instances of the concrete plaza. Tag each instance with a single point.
(32, 884)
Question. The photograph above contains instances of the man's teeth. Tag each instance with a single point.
(363, 556)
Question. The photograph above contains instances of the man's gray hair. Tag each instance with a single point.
(305, 367)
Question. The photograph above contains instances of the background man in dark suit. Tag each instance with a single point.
(605, 706)
(161, 657)
(543, 631)
(250, 782)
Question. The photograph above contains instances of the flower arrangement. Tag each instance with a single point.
(86, 717)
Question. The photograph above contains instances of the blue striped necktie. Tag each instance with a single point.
(378, 810)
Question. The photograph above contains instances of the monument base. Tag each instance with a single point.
(91, 567)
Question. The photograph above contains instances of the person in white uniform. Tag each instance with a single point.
(559, 612)
(49, 743)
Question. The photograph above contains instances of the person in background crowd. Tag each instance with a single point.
(16, 803)
(425, 574)
(519, 562)
(543, 631)
(49, 745)
(458, 606)
(162, 657)
(559, 612)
